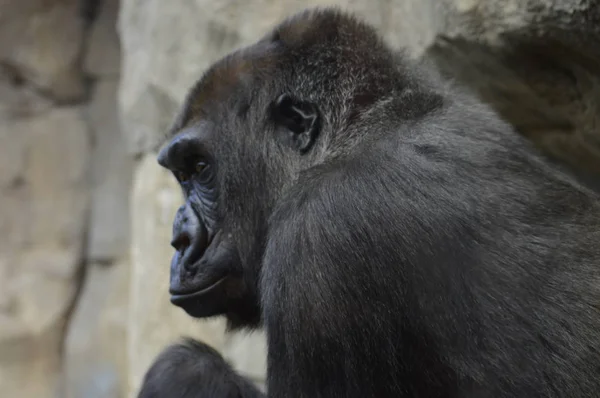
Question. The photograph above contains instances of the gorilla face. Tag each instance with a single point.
(233, 148)
(206, 266)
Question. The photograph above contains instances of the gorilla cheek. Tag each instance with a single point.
(203, 266)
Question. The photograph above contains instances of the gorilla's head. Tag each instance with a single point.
(248, 129)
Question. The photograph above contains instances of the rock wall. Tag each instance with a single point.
(94, 352)
(87, 88)
(43, 189)
(65, 177)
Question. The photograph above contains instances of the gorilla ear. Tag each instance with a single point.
(299, 118)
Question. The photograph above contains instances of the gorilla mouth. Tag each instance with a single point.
(181, 297)
(204, 302)
(201, 267)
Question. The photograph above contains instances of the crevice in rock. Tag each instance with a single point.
(89, 11)
(79, 282)
(11, 74)
(81, 271)
(19, 80)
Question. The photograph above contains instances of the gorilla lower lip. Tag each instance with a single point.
(178, 299)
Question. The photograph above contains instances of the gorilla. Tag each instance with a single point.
(176, 371)
(392, 235)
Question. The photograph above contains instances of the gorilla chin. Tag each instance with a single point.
(203, 288)
(206, 302)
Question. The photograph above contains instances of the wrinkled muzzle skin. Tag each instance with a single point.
(199, 267)
(205, 271)
(190, 239)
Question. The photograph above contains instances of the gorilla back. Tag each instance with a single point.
(391, 233)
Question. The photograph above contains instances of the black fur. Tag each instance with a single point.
(192, 369)
(419, 248)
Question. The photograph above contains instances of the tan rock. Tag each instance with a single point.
(103, 56)
(95, 359)
(43, 41)
(246, 352)
(537, 62)
(44, 203)
(16, 100)
(95, 356)
(112, 172)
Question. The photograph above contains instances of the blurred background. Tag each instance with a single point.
(87, 88)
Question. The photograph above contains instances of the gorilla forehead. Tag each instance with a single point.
(225, 81)
(297, 47)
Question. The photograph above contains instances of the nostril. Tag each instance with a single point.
(181, 242)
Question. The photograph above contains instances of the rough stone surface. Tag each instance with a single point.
(538, 63)
(18, 101)
(44, 200)
(112, 173)
(103, 56)
(59, 338)
(42, 41)
(246, 353)
(95, 345)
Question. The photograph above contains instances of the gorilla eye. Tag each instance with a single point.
(203, 173)
(198, 172)
(200, 166)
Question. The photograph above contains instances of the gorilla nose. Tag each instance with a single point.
(190, 236)
(181, 242)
